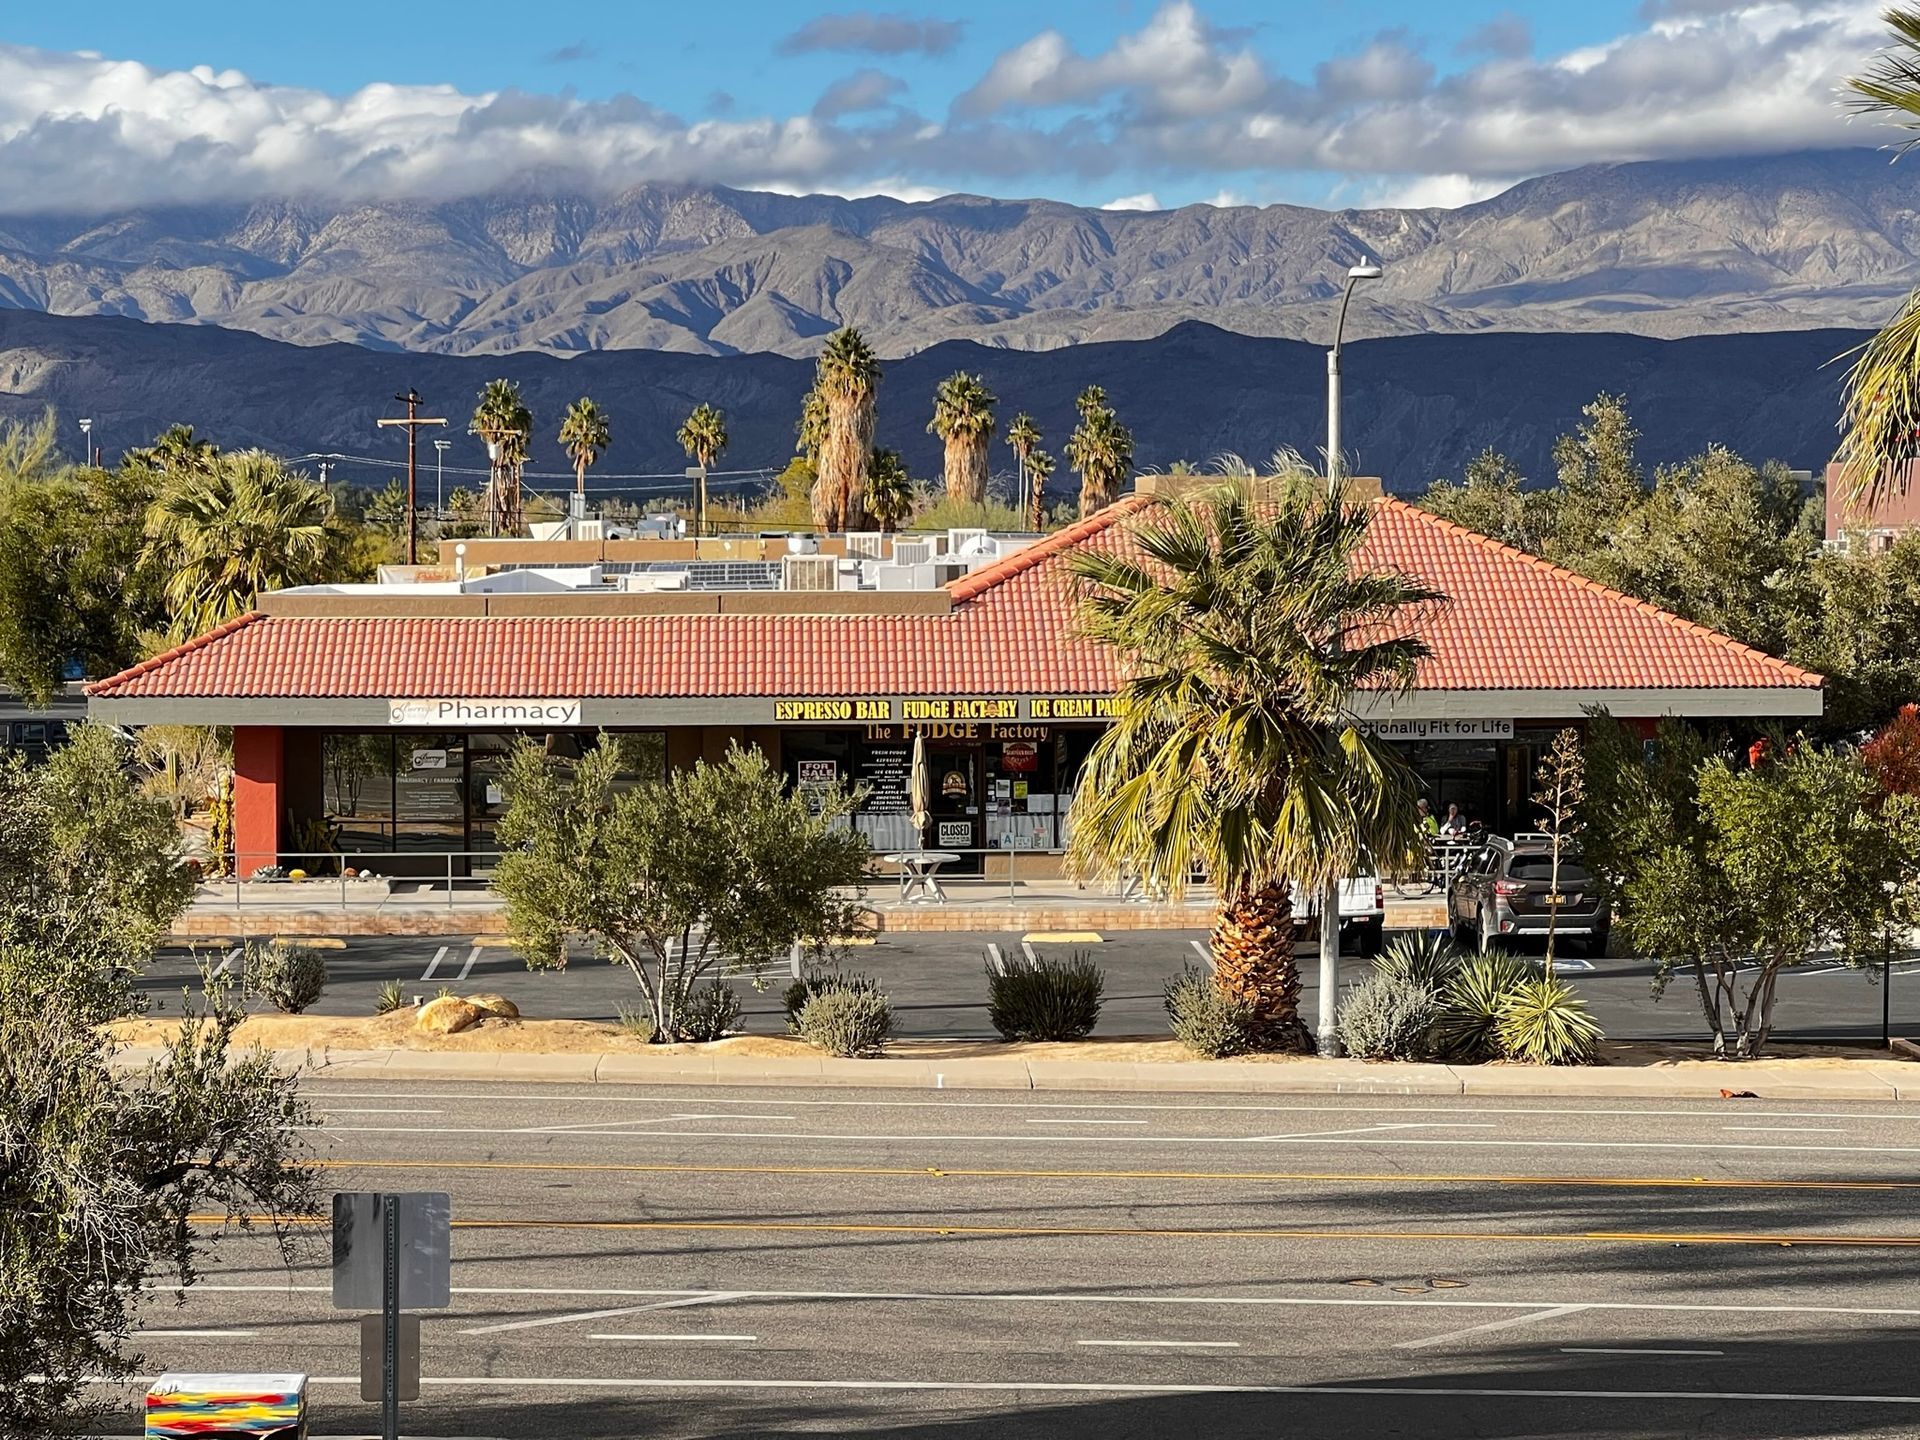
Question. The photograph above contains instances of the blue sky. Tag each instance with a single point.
(1138, 101)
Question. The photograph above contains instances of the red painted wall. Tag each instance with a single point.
(259, 773)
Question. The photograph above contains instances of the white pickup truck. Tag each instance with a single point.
(1363, 917)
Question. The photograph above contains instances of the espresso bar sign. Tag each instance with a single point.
(466, 714)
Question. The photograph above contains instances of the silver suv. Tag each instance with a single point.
(1506, 891)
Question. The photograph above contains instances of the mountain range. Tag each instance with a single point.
(1669, 249)
(1416, 406)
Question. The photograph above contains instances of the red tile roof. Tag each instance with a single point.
(1512, 622)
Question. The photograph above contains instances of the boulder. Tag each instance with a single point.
(496, 1005)
(448, 1015)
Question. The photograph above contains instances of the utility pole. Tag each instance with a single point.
(412, 423)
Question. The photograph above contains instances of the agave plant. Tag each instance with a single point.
(1420, 959)
(1473, 1002)
(1545, 1023)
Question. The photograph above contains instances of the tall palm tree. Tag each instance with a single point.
(812, 429)
(176, 448)
(848, 379)
(585, 436)
(220, 535)
(703, 435)
(963, 418)
(889, 489)
(1246, 624)
(1023, 437)
(1880, 426)
(1039, 469)
(502, 419)
(1101, 449)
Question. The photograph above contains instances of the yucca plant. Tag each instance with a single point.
(1545, 1023)
(1417, 959)
(1472, 1003)
(393, 994)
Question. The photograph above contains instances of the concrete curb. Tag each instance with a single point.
(1858, 1080)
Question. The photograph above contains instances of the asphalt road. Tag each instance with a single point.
(938, 986)
(680, 1263)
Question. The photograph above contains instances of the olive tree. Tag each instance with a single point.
(678, 879)
(103, 1168)
(1741, 868)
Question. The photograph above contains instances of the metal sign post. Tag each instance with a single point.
(391, 1252)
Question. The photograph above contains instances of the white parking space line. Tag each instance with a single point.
(196, 1334)
(1088, 1122)
(1163, 1344)
(434, 963)
(226, 964)
(1624, 1350)
(1115, 1387)
(1786, 1129)
(677, 1339)
(467, 969)
(1508, 1324)
(336, 1110)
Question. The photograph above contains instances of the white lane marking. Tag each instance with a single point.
(613, 1094)
(1091, 1387)
(1164, 1344)
(1509, 1323)
(1787, 1129)
(196, 1334)
(685, 1301)
(1375, 1129)
(1333, 1138)
(434, 963)
(625, 1126)
(1623, 1350)
(676, 1339)
(1089, 1122)
(699, 1297)
(337, 1110)
(467, 969)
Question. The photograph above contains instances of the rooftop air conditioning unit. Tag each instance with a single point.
(866, 544)
(810, 572)
(803, 544)
(912, 552)
(945, 572)
(967, 542)
(587, 530)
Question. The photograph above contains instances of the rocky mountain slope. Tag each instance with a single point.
(1416, 406)
(1828, 239)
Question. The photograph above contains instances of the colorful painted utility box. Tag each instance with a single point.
(227, 1407)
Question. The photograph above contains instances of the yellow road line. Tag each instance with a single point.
(312, 942)
(847, 1227)
(1063, 937)
(1678, 1182)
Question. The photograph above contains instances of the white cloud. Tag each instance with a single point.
(1176, 98)
(1227, 199)
(1146, 200)
(1443, 192)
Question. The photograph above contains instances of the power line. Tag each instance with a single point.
(563, 475)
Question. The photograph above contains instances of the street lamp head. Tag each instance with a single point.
(1365, 271)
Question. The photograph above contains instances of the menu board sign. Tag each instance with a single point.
(887, 772)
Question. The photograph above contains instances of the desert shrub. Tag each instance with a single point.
(638, 1023)
(1420, 958)
(1207, 1021)
(709, 1011)
(289, 977)
(1472, 1002)
(1045, 999)
(393, 994)
(1546, 1023)
(819, 982)
(1386, 1017)
(847, 1022)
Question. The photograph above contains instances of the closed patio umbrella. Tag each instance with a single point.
(921, 791)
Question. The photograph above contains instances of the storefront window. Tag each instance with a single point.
(1020, 793)
(429, 779)
(357, 789)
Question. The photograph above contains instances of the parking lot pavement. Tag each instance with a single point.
(938, 984)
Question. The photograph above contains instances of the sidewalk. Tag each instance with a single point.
(1891, 1079)
(426, 907)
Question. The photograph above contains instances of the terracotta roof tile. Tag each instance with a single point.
(1511, 622)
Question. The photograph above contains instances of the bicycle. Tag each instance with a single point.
(1445, 860)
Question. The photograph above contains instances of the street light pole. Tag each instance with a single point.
(86, 440)
(439, 475)
(1329, 1043)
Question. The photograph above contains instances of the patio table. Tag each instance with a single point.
(919, 875)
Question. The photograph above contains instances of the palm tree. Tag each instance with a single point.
(963, 418)
(1246, 625)
(175, 449)
(585, 436)
(889, 489)
(221, 535)
(703, 435)
(1023, 436)
(1880, 427)
(812, 429)
(1039, 467)
(847, 379)
(1101, 449)
(502, 419)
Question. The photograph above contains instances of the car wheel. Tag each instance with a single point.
(1596, 944)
